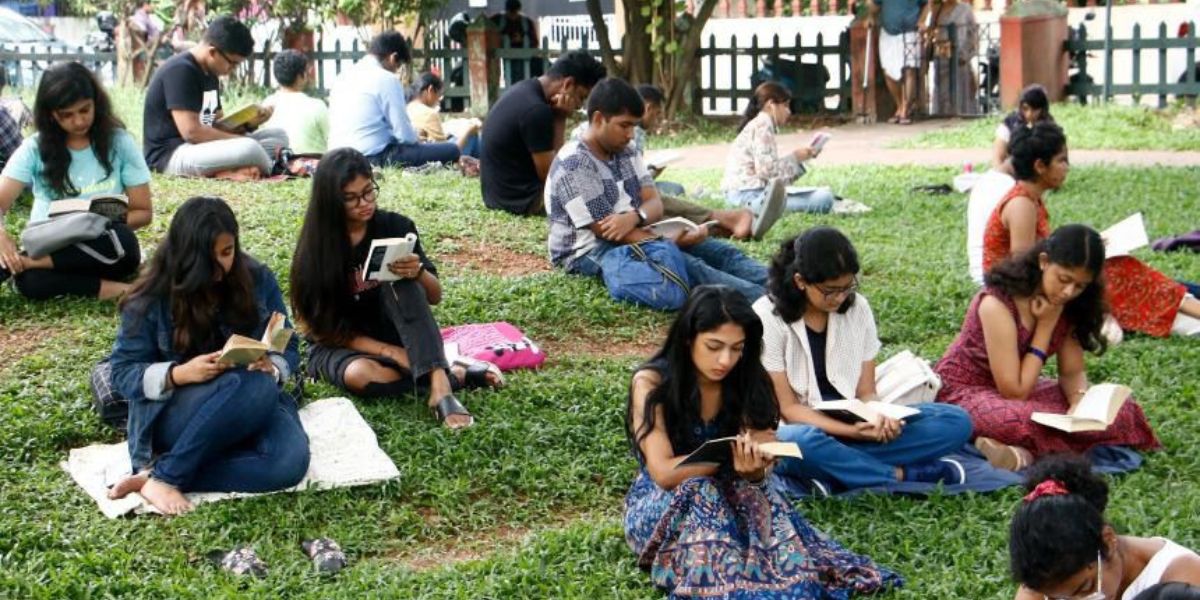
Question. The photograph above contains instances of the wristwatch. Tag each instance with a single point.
(642, 217)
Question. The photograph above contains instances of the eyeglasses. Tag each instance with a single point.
(232, 63)
(368, 195)
(831, 293)
(1097, 593)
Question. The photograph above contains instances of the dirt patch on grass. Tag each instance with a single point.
(493, 259)
(596, 345)
(20, 341)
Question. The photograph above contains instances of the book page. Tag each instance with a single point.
(241, 116)
(660, 159)
(895, 411)
(241, 350)
(58, 207)
(669, 227)
(1101, 402)
(1125, 237)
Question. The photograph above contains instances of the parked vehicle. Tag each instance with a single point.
(19, 34)
(806, 81)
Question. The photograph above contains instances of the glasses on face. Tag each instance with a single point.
(232, 63)
(368, 195)
(830, 293)
(1096, 594)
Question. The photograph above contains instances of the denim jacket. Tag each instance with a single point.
(144, 353)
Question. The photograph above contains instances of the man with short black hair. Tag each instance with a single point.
(524, 129)
(600, 196)
(368, 110)
(305, 119)
(181, 119)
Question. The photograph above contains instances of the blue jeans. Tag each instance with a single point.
(235, 433)
(939, 430)
(709, 262)
(817, 200)
(670, 188)
(471, 148)
(415, 155)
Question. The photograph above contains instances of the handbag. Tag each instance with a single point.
(41, 238)
(906, 379)
(112, 409)
(650, 273)
(498, 343)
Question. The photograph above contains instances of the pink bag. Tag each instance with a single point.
(498, 343)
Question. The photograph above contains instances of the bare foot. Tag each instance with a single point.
(738, 222)
(130, 484)
(166, 498)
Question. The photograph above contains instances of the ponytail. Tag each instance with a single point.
(766, 91)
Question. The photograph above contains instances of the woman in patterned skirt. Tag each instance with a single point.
(1047, 301)
(722, 531)
(1141, 299)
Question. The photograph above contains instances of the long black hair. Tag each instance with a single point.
(747, 398)
(766, 91)
(817, 255)
(1033, 96)
(1028, 145)
(62, 85)
(185, 273)
(1070, 246)
(1059, 527)
(320, 296)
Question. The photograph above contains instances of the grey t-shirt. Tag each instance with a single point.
(899, 16)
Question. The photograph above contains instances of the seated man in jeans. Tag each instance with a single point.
(368, 110)
(601, 196)
(182, 113)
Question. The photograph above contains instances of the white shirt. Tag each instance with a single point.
(851, 339)
(1153, 572)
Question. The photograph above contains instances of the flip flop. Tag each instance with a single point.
(477, 371)
(449, 405)
(894, 119)
(326, 555)
(1003, 456)
(239, 561)
(771, 209)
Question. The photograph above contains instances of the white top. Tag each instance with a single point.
(985, 195)
(851, 339)
(1154, 570)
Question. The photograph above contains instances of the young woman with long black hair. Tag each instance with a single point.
(81, 149)
(372, 338)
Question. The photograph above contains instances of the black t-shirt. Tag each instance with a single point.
(816, 344)
(367, 317)
(179, 84)
(518, 126)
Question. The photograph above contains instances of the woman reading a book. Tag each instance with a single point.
(1061, 546)
(755, 173)
(370, 337)
(81, 150)
(1046, 301)
(195, 422)
(820, 344)
(1033, 107)
(709, 530)
(1141, 299)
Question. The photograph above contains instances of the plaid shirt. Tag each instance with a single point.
(582, 189)
(10, 137)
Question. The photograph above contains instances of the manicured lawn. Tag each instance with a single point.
(528, 503)
(1088, 128)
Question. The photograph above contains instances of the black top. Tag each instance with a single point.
(518, 126)
(179, 84)
(367, 316)
(816, 344)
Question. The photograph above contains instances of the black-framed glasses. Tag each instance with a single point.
(232, 63)
(833, 292)
(369, 195)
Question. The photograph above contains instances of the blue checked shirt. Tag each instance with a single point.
(581, 189)
(10, 136)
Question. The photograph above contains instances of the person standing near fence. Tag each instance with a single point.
(955, 43)
(183, 111)
(902, 23)
(521, 32)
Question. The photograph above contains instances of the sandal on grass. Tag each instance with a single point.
(326, 555)
(475, 373)
(1003, 456)
(239, 561)
(449, 405)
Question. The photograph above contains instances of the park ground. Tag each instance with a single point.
(529, 502)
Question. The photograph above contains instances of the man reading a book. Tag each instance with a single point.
(182, 119)
(368, 110)
(601, 197)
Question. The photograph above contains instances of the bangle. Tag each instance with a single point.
(1034, 350)
(171, 376)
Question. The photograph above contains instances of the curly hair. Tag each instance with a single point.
(817, 255)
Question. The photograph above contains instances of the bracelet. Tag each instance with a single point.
(171, 376)
(760, 484)
(1034, 350)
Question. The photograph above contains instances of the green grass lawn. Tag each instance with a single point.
(528, 503)
(1095, 127)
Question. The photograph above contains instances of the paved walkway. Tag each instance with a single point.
(855, 144)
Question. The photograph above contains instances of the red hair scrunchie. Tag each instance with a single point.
(1049, 487)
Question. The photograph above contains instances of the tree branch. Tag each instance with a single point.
(606, 51)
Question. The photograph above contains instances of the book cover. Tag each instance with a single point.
(856, 411)
(384, 252)
(717, 451)
(104, 204)
(669, 227)
(242, 116)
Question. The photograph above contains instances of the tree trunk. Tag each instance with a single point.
(688, 59)
(615, 69)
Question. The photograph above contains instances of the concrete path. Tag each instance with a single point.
(855, 144)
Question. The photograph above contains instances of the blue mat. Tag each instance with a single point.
(981, 477)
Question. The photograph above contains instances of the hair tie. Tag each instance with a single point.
(1049, 487)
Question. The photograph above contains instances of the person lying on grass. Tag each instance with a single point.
(1061, 546)
(1047, 301)
(81, 149)
(600, 197)
(706, 531)
(197, 424)
(820, 343)
(372, 338)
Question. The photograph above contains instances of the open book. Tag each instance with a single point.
(717, 451)
(669, 227)
(659, 160)
(240, 350)
(856, 411)
(1125, 237)
(113, 206)
(246, 115)
(1094, 412)
(384, 252)
(819, 140)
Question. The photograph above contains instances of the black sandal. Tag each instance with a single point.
(239, 561)
(475, 373)
(326, 555)
(449, 405)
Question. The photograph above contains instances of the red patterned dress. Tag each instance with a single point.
(1140, 298)
(967, 381)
